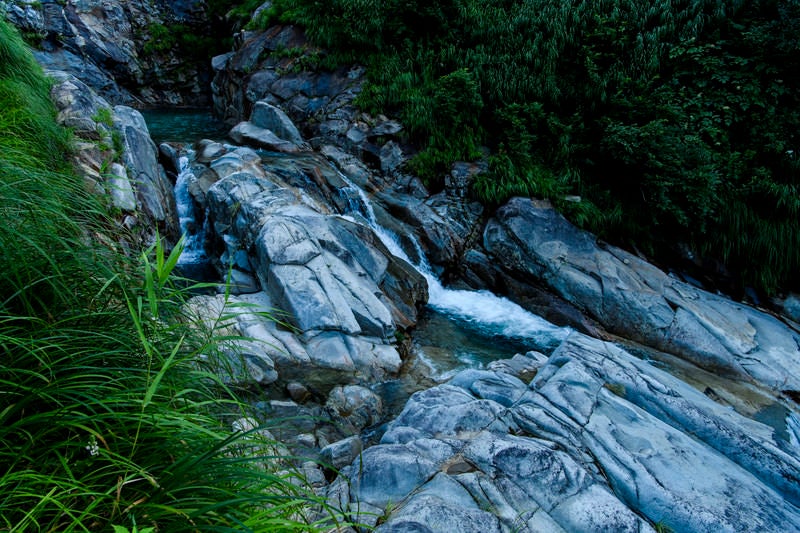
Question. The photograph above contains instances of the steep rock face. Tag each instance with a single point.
(343, 293)
(320, 101)
(117, 157)
(599, 441)
(254, 72)
(118, 48)
(634, 299)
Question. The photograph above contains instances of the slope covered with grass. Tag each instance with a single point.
(105, 416)
(674, 121)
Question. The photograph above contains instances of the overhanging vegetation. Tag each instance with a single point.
(674, 122)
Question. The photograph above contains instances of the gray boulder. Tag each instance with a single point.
(273, 118)
(599, 441)
(636, 300)
(140, 157)
(355, 406)
(343, 293)
(78, 106)
(341, 453)
(122, 194)
(94, 76)
(325, 271)
(239, 361)
(249, 133)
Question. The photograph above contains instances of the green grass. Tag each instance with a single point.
(107, 417)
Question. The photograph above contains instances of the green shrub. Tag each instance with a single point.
(104, 116)
(161, 39)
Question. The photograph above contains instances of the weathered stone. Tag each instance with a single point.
(527, 455)
(520, 366)
(208, 150)
(341, 453)
(356, 406)
(447, 411)
(301, 291)
(24, 17)
(221, 61)
(120, 188)
(387, 474)
(248, 133)
(78, 106)
(440, 514)
(273, 118)
(632, 298)
(329, 350)
(153, 190)
(458, 182)
(298, 392)
(391, 156)
(388, 127)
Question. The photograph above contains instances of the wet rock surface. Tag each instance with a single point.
(598, 441)
(635, 300)
(343, 295)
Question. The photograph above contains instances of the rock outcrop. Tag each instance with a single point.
(258, 82)
(154, 192)
(342, 293)
(123, 50)
(117, 157)
(528, 240)
(599, 441)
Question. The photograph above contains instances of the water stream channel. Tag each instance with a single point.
(457, 329)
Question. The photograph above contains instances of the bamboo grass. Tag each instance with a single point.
(107, 415)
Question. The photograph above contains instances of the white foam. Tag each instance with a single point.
(492, 314)
(193, 251)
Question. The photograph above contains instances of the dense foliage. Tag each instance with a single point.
(674, 121)
(106, 416)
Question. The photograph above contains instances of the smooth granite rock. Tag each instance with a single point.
(638, 301)
(598, 441)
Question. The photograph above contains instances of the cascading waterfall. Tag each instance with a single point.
(193, 251)
(487, 312)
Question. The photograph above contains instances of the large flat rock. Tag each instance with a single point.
(341, 293)
(598, 441)
(634, 299)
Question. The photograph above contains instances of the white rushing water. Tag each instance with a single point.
(193, 251)
(491, 314)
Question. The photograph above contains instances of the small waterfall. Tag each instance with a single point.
(194, 236)
(486, 312)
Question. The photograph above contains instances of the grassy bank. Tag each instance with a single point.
(673, 122)
(105, 416)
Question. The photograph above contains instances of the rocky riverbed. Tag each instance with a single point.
(648, 403)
